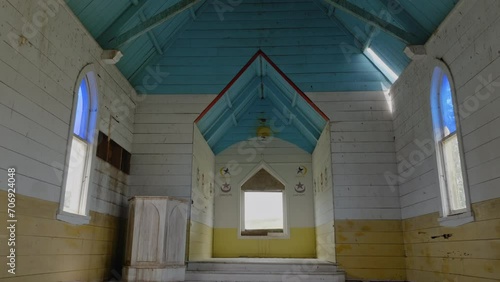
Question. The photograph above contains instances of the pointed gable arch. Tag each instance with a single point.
(261, 96)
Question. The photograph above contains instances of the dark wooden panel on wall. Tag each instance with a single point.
(113, 153)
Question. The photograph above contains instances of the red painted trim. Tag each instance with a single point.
(245, 67)
(295, 87)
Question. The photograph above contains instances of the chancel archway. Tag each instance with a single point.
(261, 125)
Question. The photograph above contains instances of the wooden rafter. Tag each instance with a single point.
(175, 34)
(149, 24)
(375, 21)
(406, 20)
(133, 10)
(151, 35)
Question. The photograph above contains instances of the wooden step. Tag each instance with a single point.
(279, 270)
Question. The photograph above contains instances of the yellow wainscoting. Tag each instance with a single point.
(325, 242)
(370, 249)
(51, 250)
(200, 241)
(301, 244)
(471, 254)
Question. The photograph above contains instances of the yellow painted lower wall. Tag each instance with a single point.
(325, 242)
(370, 249)
(200, 241)
(301, 244)
(471, 254)
(51, 250)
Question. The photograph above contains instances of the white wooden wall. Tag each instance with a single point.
(362, 148)
(324, 213)
(282, 157)
(468, 41)
(37, 80)
(163, 144)
(203, 181)
(323, 190)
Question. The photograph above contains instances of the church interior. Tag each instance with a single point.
(250, 140)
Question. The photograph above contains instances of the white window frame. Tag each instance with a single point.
(447, 216)
(83, 217)
(286, 231)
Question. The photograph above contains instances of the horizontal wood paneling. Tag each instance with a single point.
(163, 144)
(37, 81)
(370, 249)
(361, 134)
(465, 45)
(52, 250)
(472, 253)
(362, 152)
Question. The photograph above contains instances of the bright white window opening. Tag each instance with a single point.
(263, 210)
(381, 65)
(263, 206)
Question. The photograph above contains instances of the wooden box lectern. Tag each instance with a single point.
(156, 239)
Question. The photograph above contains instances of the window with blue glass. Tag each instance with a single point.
(77, 181)
(452, 186)
(82, 111)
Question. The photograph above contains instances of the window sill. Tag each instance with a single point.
(263, 234)
(72, 218)
(456, 219)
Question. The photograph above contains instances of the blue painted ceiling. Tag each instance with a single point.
(197, 46)
(260, 97)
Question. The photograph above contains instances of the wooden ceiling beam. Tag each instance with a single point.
(112, 30)
(405, 19)
(309, 130)
(151, 35)
(214, 132)
(375, 21)
(173, 37)
(149, 24)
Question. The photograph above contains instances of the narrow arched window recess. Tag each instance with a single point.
(455, 200)
(75, 194)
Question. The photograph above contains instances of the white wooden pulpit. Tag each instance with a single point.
(156, 239)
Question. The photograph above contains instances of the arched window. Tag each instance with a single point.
(450, 165)
(75, 192)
